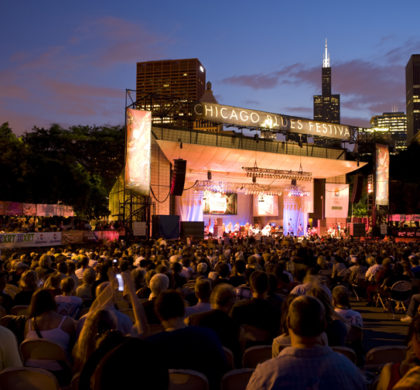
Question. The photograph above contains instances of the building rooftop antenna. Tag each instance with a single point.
(326, 59)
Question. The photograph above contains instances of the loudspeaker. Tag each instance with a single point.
(319, 198)
(178, 177)
(357, 188)
(166, 226)
(357, 229)
(192, 229)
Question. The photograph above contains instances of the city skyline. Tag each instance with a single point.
(71, 63)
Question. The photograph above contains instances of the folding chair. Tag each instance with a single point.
(255, 355)
(400, 294)
(236, 379)
(41, 349)
(379, 356)
(27, 378)
(229, 358)
(347, 352)
(187, 380)
(19, 310)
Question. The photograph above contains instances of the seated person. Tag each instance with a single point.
(222, 299)
(308, 363)
(202, 291)
(341, 302)
(257, 314)
(67, 303)
(184, 347)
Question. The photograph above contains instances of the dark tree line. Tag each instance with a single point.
(76, 166)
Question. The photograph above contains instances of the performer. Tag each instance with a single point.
(266, 230)
(236, 228)
(300, 230)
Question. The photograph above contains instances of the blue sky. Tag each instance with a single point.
(70, 62)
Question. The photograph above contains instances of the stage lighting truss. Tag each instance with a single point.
(267, 173)
(229, 187)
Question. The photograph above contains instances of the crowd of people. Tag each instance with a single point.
(128, 313)
(30, 224)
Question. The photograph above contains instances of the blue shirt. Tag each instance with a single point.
(316, 368)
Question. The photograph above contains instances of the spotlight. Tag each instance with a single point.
(208, 175)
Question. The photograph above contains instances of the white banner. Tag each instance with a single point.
(336, 200)
(21, 240)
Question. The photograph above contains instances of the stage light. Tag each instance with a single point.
(208, 175)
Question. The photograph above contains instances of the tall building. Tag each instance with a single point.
(392, 125)
(412, 88)
(168, 87)
(326, 106)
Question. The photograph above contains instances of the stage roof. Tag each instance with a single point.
(226, 163)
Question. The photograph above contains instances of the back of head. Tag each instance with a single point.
(158, 283)
(341, 296)
(28, 280)
(259, 282)
(202, 289)
(169, 304)
(223, 296)
(67, 285)
(42, 301)
(306, 316)
(134, 361)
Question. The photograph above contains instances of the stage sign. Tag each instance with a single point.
(336, 200)
(265, 120)
(218, 203)
(382, 175)
(138, 154)
(265, 205)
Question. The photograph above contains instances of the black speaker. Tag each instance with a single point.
(357, 188)
(319, 195)
(165, 226)
(357, 229)
(192, 229)
(178, 177)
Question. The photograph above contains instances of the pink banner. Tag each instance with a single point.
(29, 209)
(13, 208)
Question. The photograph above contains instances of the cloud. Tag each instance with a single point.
(372, 87)
(118, 41)
(306, 111)
(81, 79)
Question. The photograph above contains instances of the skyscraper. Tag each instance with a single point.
(326, 106)
(393, 125)
(169, 86)
(412, 88)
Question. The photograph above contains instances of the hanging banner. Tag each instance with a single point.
(22, 240)
(244, 117)
(382, 175)
(138, 153)
(29, 209)
(336, 200)
(13, 208)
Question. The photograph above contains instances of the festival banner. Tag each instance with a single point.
(382, 175)
(21, 240)
(72, 237)
(29, 209)
(138, 153)
(336, 200)
(13, 208)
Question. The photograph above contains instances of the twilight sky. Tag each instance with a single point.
(70, 62)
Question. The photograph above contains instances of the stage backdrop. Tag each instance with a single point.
(336, 200)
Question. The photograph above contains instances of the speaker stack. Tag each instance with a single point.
(178, 177)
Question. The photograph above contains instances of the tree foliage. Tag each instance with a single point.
(76, 166)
